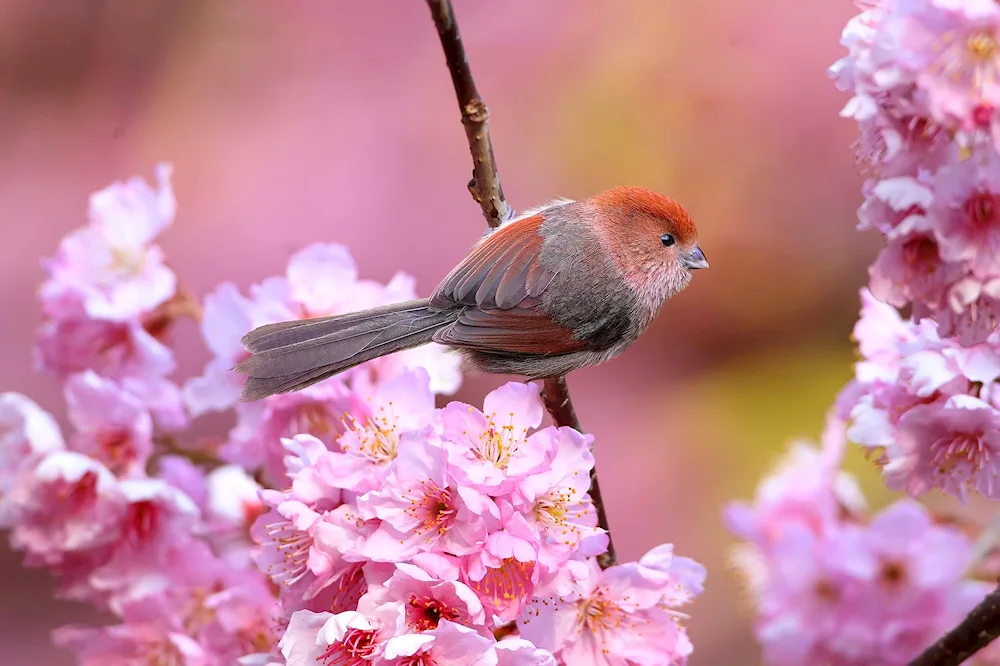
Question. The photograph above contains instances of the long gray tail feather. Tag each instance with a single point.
(292, 355)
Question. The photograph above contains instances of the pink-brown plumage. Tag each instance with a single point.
(571, 285)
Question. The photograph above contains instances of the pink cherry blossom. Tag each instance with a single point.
(232, 496)
(130, 644)
(504, 571)
(152, 526)
(230, 505)
(309, 544)
(242, 615)
(896, 206)
(442, 364)
(225, 320)
(913, 555)
(925, 80)
(494, 449)
(27, 433)
(956, 74)
(347, 580)
(448, 644)
(421, 507)
(519, 652)
(351, 523)
(112, 266)
(687, 575)
(798, 588)
(112, 425)
(313, 479)
(163, 399)
(850, 590)
(555, 503)
(966, 213)
(952, 444)
(881, 334)
(156, 526)
(256, 441)
(910, 269)
(323, 280)
(427, 600)
(373, 427)
(612, 617)
(806, 489)
(345, 638)
(300, 645)
(72, 342)
(863, 594)
(916, 400)
(972, 314)
(285, 534)
(68, 512)
(308, 539)
(191, 619)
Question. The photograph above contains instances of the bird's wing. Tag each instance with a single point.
(502, 271)
(500, 285)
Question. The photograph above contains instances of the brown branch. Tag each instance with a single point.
(485, 183)
(486, 190)
(972, 634)
(555, 394)
(170, 446)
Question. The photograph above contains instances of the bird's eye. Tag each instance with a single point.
(667, 240)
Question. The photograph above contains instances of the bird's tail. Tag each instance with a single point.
(292, 355)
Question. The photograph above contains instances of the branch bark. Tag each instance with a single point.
(486, 190)
(975, 632)
(555, 394)
(485, 183)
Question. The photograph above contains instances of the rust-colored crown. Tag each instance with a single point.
(650, 202)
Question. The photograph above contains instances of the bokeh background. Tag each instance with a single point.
(295, 121)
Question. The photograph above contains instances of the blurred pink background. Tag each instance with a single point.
(292, 122)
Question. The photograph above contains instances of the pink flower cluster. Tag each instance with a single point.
(927, 407)
(833, 585)
(830, 583)
(428, 531)
(925, 80)
(320, 280)
(352, 523)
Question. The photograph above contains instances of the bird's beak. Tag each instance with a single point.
(695, 259)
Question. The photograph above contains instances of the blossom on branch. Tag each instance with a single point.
(833, 584)
(925, 77)
(111, 268)
(353, 522)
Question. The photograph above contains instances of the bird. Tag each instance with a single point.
(567, 285)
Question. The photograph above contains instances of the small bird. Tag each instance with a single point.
(562, 287)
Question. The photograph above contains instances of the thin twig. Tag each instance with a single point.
(485, 183)
(972, 634)
(486, 190)
(170, 446)
(555, 394)
(183, 304)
